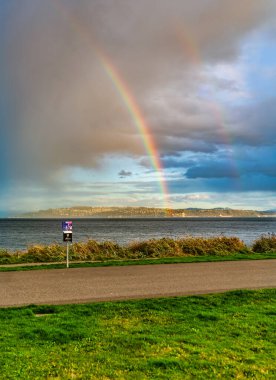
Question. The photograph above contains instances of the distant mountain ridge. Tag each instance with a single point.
(143, 212)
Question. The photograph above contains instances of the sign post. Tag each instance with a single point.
(67, 228)
(67, 255)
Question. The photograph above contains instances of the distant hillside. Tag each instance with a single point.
(142, 212)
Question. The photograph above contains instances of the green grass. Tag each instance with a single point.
(168, 260)
(224, 336)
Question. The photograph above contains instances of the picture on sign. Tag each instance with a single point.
(67, 236)
(67, 225)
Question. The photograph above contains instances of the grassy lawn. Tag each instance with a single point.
(166, 260)
(230, 335)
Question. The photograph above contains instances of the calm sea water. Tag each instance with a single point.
(19, 233)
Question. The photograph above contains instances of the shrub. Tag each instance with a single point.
(221, 246)
(111, 250)
(5, 256)
(266, 243)
(40, 253)
(92, 250)
(155, 248)
(80, 251)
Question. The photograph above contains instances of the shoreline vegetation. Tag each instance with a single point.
(144, 212)
(165, 248)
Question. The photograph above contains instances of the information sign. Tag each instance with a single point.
(67, 236)
(67, 226)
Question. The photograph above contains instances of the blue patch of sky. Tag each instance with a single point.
(261, 68)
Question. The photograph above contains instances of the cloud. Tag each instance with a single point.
(237, 164)
(124, 173)
(222, 169)
(254, 125)
(190, 197)
(179, 60)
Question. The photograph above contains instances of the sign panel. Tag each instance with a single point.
(67, 236)
(67, 225)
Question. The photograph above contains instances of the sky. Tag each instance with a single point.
(157, 103)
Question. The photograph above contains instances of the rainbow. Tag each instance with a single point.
(139, 120)
(127, 98)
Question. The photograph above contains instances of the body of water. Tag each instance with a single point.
(18, 234)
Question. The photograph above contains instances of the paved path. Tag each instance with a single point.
(139, 281)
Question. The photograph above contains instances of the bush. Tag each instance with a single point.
(155, 248)
(41, 253)
(5, 256)
(92, 250)
(221, 246)
(266, 243)
(80, 251)
(190, 246)
(111, 250)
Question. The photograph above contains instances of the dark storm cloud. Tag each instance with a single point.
(124, 173)
(243, 184)
(255, 125)
(66, 111)
(248, 169)
(213, 170)
(253, 161)
(174, 162)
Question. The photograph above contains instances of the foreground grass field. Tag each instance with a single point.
(230, 335)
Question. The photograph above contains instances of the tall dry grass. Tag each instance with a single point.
(154, 248)
(266, 243)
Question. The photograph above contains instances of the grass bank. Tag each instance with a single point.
(125, 262)
(230, 335)
(91, 250)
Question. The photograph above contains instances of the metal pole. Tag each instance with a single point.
(67, 256)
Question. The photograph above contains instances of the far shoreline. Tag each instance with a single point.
(141, 217)
(111, 212)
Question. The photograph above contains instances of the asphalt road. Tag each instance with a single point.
(61, 286)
